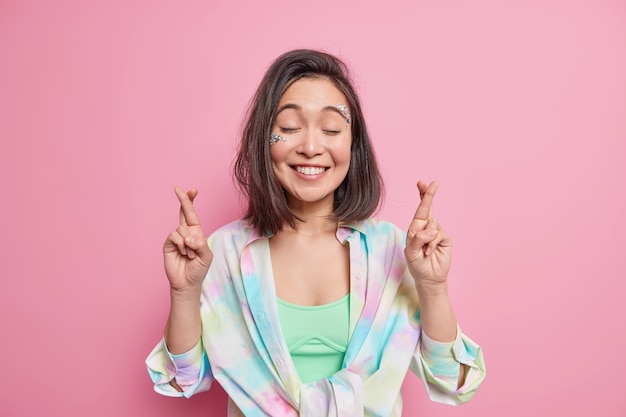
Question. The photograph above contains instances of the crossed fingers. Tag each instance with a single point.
(188, 219)
(424, 226)
(188, 214)
(427, 194)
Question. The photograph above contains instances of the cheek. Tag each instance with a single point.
(345, 160)
(343, 154)
(276, 154)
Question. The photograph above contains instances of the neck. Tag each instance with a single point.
(316, 218)
(314, 226)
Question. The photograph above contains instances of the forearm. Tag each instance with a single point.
(436, 314)
(183, 328)
(438, 319)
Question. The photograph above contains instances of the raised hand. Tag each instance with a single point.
(186, 254)
(428, 249)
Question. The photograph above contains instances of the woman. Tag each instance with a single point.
(307, 306)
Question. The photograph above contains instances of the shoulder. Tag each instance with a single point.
(233, 235)
(227, 244)
(378, 228)
(380, 236)
(385, 243)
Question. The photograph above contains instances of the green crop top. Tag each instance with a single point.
(316, 336)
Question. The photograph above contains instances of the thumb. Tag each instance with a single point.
(421, 238)
(201, 247)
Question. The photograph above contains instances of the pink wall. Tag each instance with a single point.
(517, 108)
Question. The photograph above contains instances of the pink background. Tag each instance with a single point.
(517, 108)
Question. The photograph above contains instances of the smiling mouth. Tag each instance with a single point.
(310, 170)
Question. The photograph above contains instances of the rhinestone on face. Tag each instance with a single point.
(274, 138)
(345, 111)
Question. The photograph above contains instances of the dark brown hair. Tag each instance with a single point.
(356, 198)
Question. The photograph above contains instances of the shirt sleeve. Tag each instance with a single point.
(190, 370)
(439, 364)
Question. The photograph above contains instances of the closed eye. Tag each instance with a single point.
(289, 129)
(332, 132)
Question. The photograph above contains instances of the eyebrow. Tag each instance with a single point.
(288, 106)
(297, 107)
(336, 110)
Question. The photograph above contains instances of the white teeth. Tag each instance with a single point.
(310, 170)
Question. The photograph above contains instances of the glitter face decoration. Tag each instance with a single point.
(274, 138)
(345, 111)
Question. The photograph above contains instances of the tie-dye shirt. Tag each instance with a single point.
(243, 349)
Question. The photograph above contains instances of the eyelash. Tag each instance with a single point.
(293, 129)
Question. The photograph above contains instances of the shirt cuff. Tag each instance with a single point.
(441, 357)
(187, 364)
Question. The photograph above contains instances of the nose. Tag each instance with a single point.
(312, 144)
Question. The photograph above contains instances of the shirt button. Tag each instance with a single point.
(357, 275)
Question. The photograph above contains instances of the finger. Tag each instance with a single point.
(427, 194)
(442, 240)
(432, 245)
(421, 239)
(192, 194)
(433, 224)
(200, 247)
(182, 231)
(175, 242)
(188, 214)
(422, 187)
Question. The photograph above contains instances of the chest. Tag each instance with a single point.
(311, 271)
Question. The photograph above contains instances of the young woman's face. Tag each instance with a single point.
(312, 140)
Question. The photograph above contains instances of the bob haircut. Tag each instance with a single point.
(360, 193)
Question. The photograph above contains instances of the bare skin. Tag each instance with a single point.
(321, 273)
